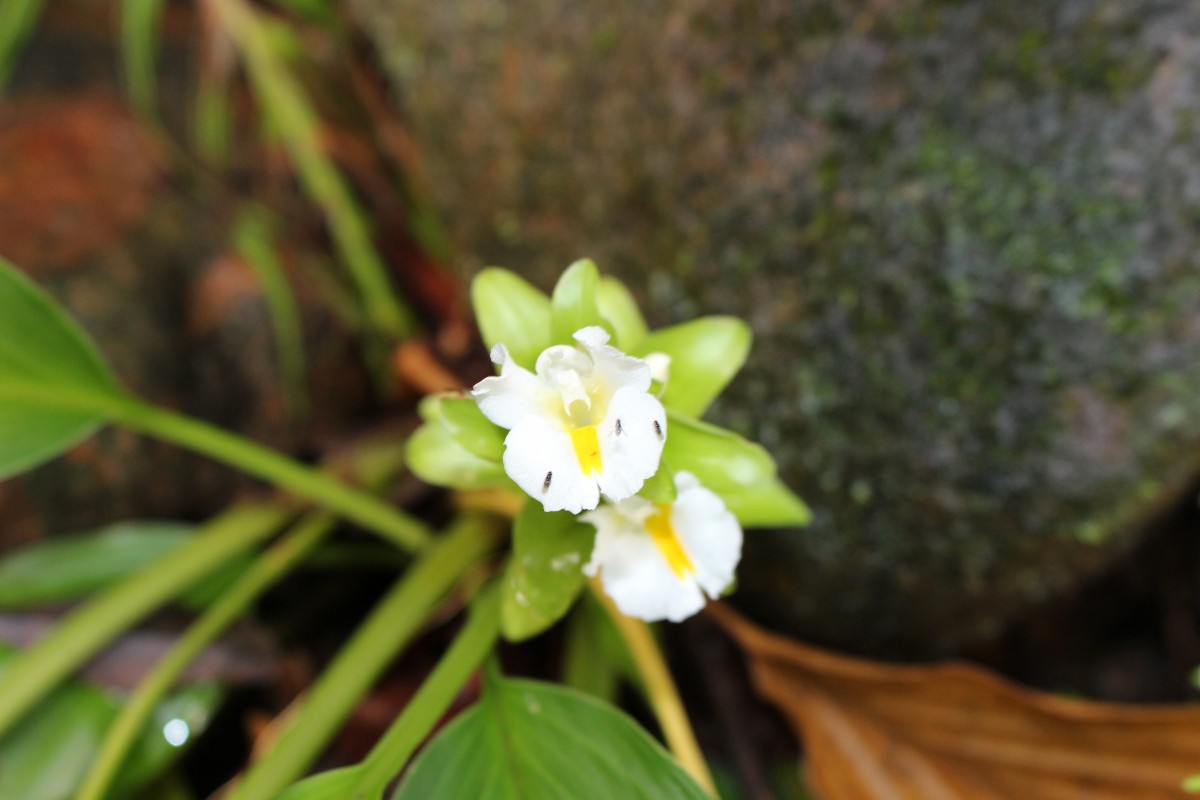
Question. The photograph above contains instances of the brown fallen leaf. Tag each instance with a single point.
(957, 732)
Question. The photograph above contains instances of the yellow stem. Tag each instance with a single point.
(660, 691)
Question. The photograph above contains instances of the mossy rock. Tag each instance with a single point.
(965, 233)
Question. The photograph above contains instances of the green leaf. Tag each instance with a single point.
(719, 458)
(47, 755)
(434, 457)
(595, 657)
(741, 472)
(212, 126)
(66, 568)
(17, 20)
(265, 46)
(511, 312)
(660, 487)
(618, 307)
(768, 505)
(336, 784)
(545, 573)
(254, 237)
(705, 355)
(527, 740)
(574, 302)
(468, 426)
(139, 46)
(52, 380)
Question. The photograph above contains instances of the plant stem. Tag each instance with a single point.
(125, 729)
(355, 505)
(390, 626)
(86, 630)
(437, 692)
(660, 691)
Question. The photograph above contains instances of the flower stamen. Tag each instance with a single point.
(659, 526)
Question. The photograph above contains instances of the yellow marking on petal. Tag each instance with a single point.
(659, 526)
(587, 448)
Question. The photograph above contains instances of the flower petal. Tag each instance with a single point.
(611, 368)
(633, 571)
(540, 458)
(708, 532)
(507, 398)
(632, 434)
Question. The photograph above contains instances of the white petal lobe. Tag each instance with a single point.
(540, 458)
(631, 453)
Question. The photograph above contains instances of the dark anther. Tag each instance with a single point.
(546, 483)
(658, 430)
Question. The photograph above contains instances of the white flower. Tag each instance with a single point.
(585, 423)
(657, 561)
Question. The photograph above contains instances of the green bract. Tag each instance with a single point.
(456, 447)
(705, 355)
(510, 310)
(545, 572)
(460, 448)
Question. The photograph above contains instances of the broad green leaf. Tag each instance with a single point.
(47, 755)
(528, 740)
(705, 355)
(511, 312)
(618, 307)
(767, 505)
(471, 429)
(337, 784)
(67, 568)
(434, 457)
(574, 302)
(545, 572)
(52, 380)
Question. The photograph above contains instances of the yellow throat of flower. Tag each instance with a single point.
(659, 526)
(587, 448)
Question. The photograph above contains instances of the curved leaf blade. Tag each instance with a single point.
(741, 472)
(528, 740)
(68, 567)
(47, 755)
(50, 376)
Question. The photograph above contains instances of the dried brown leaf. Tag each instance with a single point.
(958, 732)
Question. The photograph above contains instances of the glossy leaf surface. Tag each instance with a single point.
(545, 574)
(527, 740)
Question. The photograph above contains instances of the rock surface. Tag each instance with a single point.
(965, 233)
